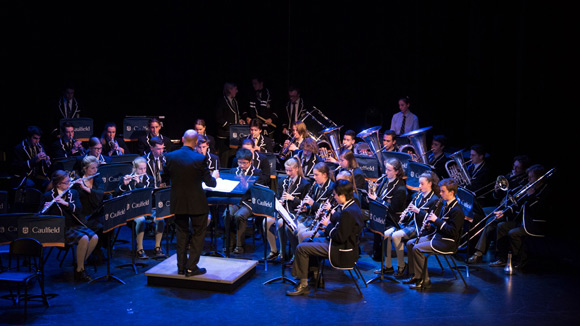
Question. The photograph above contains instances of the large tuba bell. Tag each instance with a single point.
(371, 137)
(418, 146)
(333, 136)
(456, 169)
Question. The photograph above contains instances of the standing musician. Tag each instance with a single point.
(91, 194)
(187, 170)
(227, 114)
(113, 144)
(516, 179)
(262, 143)
(68, 105)
(136, 180)
(404, 121)
(66, 145)
(308, 156)
(155, 160)
(437, 157)
(390, 141)
(340, 243)
(299, 133)
(64, 201)
(296, 109)
(446, 227)
(391, 192)
(31, 163)
(347, 161)
(200, 126)
(239, 213)
(260, 107)
(212, 160)
(290, 193)
(527, 216)
(154, 126)
(412, 216)
(320, 191)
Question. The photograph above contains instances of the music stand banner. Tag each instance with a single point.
(83, 127)
(414, 170)
(47, 229)
(466, 199)
(125, 158)
(3, 202)
(132, 204)
(377, 217)
(272, 159)
(263, 201)
(134, 126)
(111, 174)
(369, 165)
(66, 164)
(238, 133)
(162, 202)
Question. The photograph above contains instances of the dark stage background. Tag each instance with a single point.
(487, 72)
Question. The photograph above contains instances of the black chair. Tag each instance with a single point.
(447, 257)
(354, 267)
(31, 250)
(27, 200)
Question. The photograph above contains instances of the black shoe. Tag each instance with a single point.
(402, 272)
(290, 262)
(181, 272)
(475, 259)
(238, 250)
(197, 271)
(300, 290)
(421, 285)
(141, 254)
(386, 270)
(272, 255)
(497, 263)
(82, 276)
(412, 281)
(158, 252)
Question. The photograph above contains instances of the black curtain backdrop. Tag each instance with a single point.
(486, 72)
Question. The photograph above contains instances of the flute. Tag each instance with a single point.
(46, 207)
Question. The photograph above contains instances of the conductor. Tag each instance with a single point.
(187, 170)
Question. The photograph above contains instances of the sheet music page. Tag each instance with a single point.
(285, 215)
(222, 185)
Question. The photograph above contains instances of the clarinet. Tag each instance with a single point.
(320, 213)
(435, 209)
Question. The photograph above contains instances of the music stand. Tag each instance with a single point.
(471, 207)
(263, 204)
(379, 219)
(109, 276)
(287, 221)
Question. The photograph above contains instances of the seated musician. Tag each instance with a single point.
(516, 179)
(299, 132)
(391, 192)
(91, 194)
(319, 193)
(445, 225)
(329, 208)
(528, 216)
(203, 147)
(437, 157)
(64, 201)
(478, 169)
(308, 156)
(290, 193)
(96, 150)
(136, 180)
(259, 160)
(113, 144)
(263, 144)
(341, 240)
(390, 141)
(200, 127)
(154, 126)
(348, 143)
(239, 213)
(347, 161)
(31, 163)
(66, 145)
(410, 222)
(155, 160)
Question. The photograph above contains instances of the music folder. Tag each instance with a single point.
(285, 216)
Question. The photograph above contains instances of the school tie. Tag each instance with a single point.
(403, 125)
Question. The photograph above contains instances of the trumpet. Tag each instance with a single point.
(46, 207)
(44, 157)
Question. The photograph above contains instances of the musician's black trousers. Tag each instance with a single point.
(193, 236)
(510, 236)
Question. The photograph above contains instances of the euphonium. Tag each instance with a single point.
(456, 169)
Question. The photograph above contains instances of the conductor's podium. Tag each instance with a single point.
(223, 274)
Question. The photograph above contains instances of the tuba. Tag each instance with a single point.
(456, 169)
(333, 136)
(418, 145)
(371, 137)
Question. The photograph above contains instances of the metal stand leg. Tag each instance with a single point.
(383, 276)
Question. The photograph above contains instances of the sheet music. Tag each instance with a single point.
(285, 215)
(223, 185)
